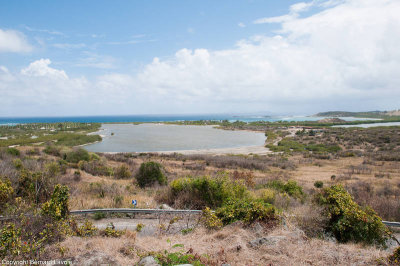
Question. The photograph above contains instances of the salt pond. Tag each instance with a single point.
(161, 137)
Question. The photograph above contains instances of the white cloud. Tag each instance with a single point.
(40, 68)
(13, 41)
(345, 56)
(69, 46)
(241, 25)
(51, 32)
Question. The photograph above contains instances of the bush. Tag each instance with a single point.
(210, 220)
(99, 215)
(122, 172)
(86, 229)
(394, 259)
(267, 195)
(18, 164)
(52, 150)
(290, 187)
(150, 173)
(6, 192)
(52, 169)
(318, 184)
(348, 221)
(77, 155)
(201, 192)
(13, 151)
(98, 168)
(57, 206)
(248, 211)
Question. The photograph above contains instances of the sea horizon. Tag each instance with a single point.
(161, 118)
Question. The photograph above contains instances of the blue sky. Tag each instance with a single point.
(128, 34)
(136, 57)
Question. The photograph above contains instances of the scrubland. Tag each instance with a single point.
(318, 198)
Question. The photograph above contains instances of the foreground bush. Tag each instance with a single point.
(57, 206)
(201, 192)
(25, 236)
(246, 210)
(6, 192)
(149, 174)
(348, 221)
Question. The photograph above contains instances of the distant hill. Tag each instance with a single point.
(370, 114)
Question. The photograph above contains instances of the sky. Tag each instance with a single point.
(97, 57)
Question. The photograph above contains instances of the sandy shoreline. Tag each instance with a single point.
(260, 150)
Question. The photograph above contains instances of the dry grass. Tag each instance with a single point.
(230, 245)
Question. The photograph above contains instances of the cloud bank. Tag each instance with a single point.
(344, 56)
(14, 42)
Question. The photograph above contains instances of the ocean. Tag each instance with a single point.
(158, 118)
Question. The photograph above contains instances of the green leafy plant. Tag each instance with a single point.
(13, 151)
(318, 184)
(57, 206)
(77, 155)
(150, 173)
(206, 191)
(210, 220)
(122, 172)
(86, 229)
(139, 227)
(350, 222)
(6, 192)
(247, 210)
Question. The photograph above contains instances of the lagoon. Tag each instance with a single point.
(161, 137)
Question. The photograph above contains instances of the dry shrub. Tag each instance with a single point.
(248, 177)
(309, 218)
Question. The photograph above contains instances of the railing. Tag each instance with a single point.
(157, 211)
(135, 211)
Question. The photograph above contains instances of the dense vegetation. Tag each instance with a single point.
(66, 134)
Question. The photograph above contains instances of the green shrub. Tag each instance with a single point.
(13, 151)
(52, 169)
(122, 172)
(52, 150)
(150, 173)
(394, 259)
(111, 232)
(6, 192)
(205, 191)
(248, 211)
(18, 163)
(86, 229)
(348, 221)
(77, 155)
(98, 168)
(290, 187)
(94, 157)
(99, 215)
(180, 258)
(57, 206)
(318, 184)
(139, 227)
(210, 220)
(267, 195)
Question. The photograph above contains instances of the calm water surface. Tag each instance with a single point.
(388, 124)
(159, 137)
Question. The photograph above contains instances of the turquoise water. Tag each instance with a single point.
(389, 124)
(159, 137)
(159, 118)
